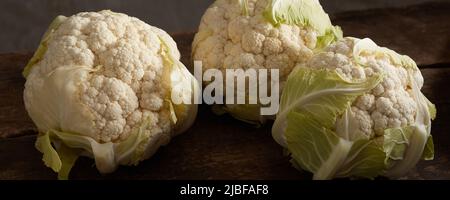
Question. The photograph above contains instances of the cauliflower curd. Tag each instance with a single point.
(102, 83)
(261, 34)
(390, 104)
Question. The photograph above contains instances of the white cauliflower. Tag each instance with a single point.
(261, 34)
(355, 110)
(390, 104)
(103, 82)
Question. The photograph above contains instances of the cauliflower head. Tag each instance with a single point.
(355, 109)
(102, 84)
(261, 34)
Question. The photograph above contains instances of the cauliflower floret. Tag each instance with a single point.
(252, 42)
(390, 104)
(280, 47)
(365, 102)
(364, 124)
(395, 109)
(111, 102)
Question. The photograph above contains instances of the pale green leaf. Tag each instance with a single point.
(310, 144)
(320, 151)
(244, 6)
(103, 153)
(396, 141)
(431, 108)
(50, 157)
(404, 148)
(306, 13)
(428, 153)
(299, 12)
(107, 156)
(68, 158)
(331, 35)
(321, 94)
(365, 160)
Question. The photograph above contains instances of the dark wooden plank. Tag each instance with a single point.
(422, 32)
(14, 120)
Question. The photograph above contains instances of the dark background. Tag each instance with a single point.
(23, 22)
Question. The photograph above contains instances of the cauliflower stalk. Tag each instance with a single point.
(103, 85)
(355, 110)
(261, 34)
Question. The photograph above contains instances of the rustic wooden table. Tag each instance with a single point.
(219, 147)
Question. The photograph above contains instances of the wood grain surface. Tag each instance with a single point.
(219, 147)
(422, 32)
